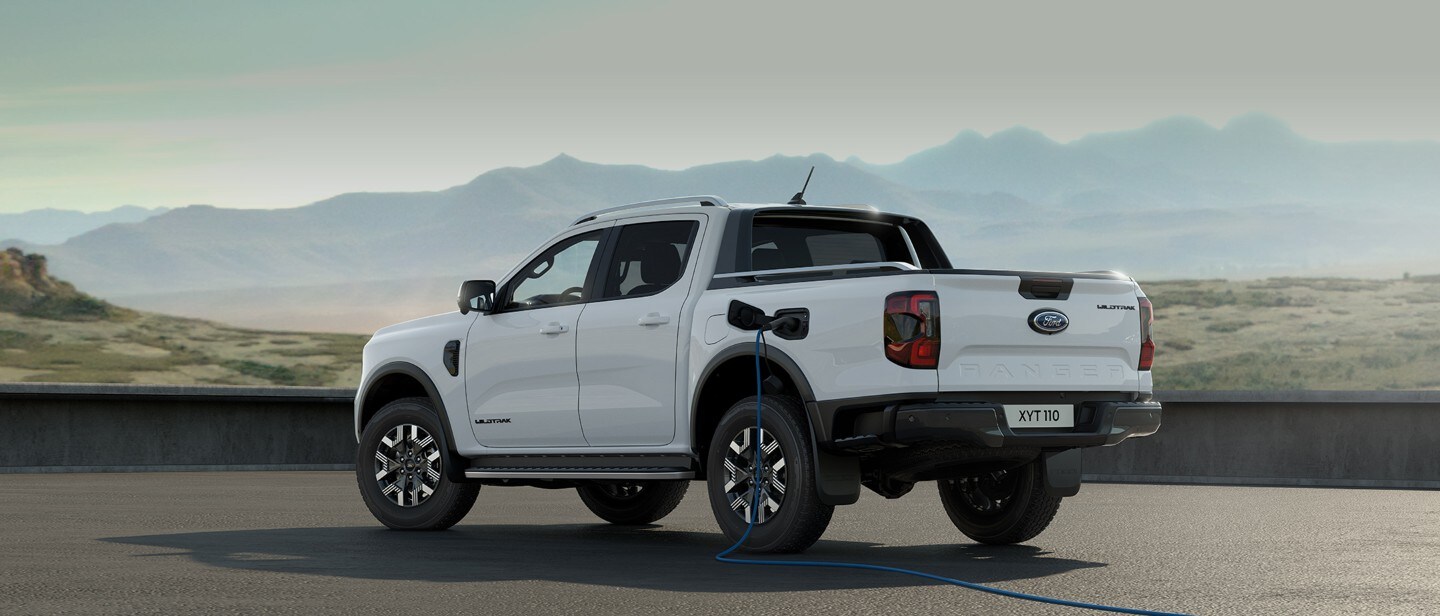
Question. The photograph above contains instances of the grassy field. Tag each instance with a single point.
(1297, 333)
(157, 349)
(1281, 333)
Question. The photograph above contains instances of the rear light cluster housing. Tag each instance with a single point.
(912, 329)
(1147, 345)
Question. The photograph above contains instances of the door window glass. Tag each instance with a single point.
(648, 258)
(557, 276)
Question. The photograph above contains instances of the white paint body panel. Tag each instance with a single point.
(987, 343)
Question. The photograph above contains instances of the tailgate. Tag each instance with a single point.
(988, 342)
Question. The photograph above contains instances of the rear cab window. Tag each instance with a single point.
(783, 241)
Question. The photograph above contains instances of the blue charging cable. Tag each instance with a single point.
(724, 557)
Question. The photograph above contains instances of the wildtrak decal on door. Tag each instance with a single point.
(497, 420)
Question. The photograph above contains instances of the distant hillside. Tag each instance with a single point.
(51, 226)
(50, 332)
(1177, 199)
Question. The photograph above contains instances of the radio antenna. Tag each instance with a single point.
(799, 198)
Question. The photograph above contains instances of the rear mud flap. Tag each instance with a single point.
(1062, 472)
(837, 478)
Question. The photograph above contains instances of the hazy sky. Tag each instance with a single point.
(277, 104)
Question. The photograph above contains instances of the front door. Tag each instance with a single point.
(521, 382)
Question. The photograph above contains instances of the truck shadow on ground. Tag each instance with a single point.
(645, 557)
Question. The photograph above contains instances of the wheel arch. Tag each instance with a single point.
(730, 377)
(400, 379)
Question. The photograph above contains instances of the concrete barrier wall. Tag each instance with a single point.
(1317, 438)
(1364, 439)
(84, 428)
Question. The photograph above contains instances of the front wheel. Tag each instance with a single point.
(400, 466)
(1002, 507)
(633, 503)
(790, 516)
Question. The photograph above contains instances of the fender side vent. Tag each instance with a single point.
(452, 357)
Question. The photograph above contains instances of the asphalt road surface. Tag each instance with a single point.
(303, 543)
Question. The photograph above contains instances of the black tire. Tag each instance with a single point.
(439, 509)
(800, 518)
(1000, 508)
(633, 503)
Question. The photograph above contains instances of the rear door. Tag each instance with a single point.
(629, 333)
(1000, 332)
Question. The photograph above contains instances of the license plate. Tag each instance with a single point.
(1040, 415)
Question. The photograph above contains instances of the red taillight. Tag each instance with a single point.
(912, 329)
(1147, 345)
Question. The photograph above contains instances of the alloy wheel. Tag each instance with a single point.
(408, 465)
(740, 480)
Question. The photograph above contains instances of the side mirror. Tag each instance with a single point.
(476, 295)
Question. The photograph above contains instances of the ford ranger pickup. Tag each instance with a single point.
(620, 359)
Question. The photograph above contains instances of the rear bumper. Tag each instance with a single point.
(982, 424)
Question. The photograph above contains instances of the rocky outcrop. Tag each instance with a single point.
(26, 288)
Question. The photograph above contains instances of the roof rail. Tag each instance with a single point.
(708, 200)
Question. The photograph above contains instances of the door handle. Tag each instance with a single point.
(653, 318)
(553, 327)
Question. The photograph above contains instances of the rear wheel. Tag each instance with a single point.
(790, 516)
(400, 467)
(1001, 507)
(636, 502)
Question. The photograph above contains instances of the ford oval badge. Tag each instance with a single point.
(1049, 321)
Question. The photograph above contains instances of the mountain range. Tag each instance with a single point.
(52, 226)
(1175, 199)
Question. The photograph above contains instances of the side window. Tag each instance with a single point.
(557, 276)
(648, 258)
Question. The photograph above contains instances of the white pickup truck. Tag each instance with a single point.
(619, 359)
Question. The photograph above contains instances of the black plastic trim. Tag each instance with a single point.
(983, 424)
(451, 357)
(737, 233)
(977, 418)
(722, 281)
(1029, 274)
(583, 461)
(927, 248)
(731, 282)
(791, 368)
(1046, 287)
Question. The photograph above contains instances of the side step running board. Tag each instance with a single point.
(635, 473)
